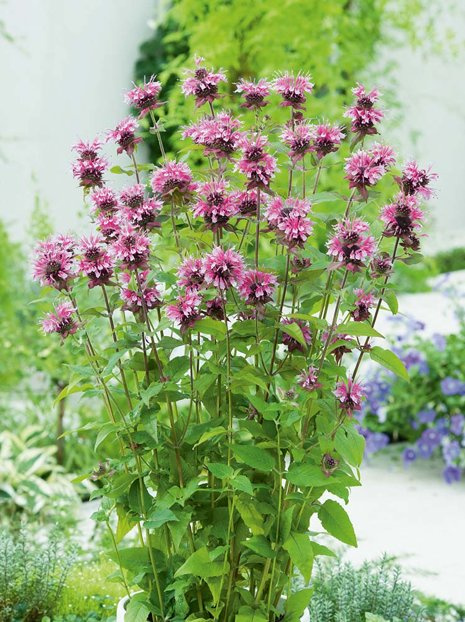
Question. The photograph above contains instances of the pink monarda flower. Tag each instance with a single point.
(349, 395)
(291, 343)
(294, 230)
(247, 202)
(215, 308)
(203, 84)
(308, 379)
(350, 245)
(53, 262)
(132, 248)
(104, 200)
(61, 321)
(124, 135)
(257, 288)
(139, 299)
(186, 311)
(326, 139)
(191, 273)
(292, 89)
(90, 172)
(363, 113)
(145, 216)
(344, 346)
(145, 97)
(280, 208)
(416, 181)
(363, 304)
(298, 139)
(219, 135)
(254, 93)
(223, 268)
(402, 218)
(256, 164)
(381, 266)
(172, 180)
(383, 155)
(133, 196)
(96, 262)
(88, 150)
(362, 171)
(109, 226)
(215, 205)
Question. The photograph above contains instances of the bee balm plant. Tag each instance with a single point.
(225, 315)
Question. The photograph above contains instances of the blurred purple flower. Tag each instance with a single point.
(409, 456)
(451, 452)
(415, 357)
(452, 474)
(452, 386)
(456, 424)
(439, 342)
(426, 416)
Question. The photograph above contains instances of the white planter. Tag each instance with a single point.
(121, 611)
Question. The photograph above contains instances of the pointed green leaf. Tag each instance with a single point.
(300, 551)
(335, 520)
(390, 361)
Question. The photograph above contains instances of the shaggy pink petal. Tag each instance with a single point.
(223, 268)
(350, 395)
(293, 89)
(173, 177)
(61, 321)
(256, 287)
(254, 93)
(145, 97)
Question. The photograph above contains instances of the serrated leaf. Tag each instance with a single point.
(199, 564)
(390, 361)
(358, 329)
(296, 604)
(209, 326)
(260, 545)
(300, 551)
(391, 301)
(307, 475)
(220, 470)
(337, 523)
(255, 457)
(159, 517)
(136, 611)
(251, 516)
(350, 445)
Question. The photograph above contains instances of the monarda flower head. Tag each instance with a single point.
(219, 135)
(145, 97)
(363, 303)
(145, 216)
(173, 180)
(349, 395)
(104, 200)
(133, 196)
(53, 262)
(362, 171)
(298, 138)
(137, 295)
(254, 93)
(247, 202)
(293, 89)
(90, 172)
(88, 150)
(109, 226)
(291, 343)
(381, 266)
(61, 321)
(351, 245)
(124, 135)
(256, 164)
(294, 231)
(132, 248)
(416, 181)
(96, 262)
(308, 379)
(215, 308)
(186, 310)
(363, 113)
(257, 288)
(402, 218)
(279, 209)
(326, 139)
(191, 273)
(202, 84)
(215, 205)
(223, 268)
(383, 155)
(343, 347)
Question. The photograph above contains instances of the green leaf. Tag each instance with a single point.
(260, 545)
(390, 361)
(199, 564)
(243, 483)
(220, 470)
(358, 329)
(209, 326)
(159, 517)
(206, 436)
(117, 170)
(123, 525)
(350, 445)
(335, 520)
(391, 301)
(247, 614)
(320, 549)
(294, 331)
(296, 604)
(372, 617)
(251, 516)
(306, 475)
(136, 611)
(255, 457)
(300, 551)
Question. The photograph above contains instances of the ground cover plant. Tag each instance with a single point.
(225, 318)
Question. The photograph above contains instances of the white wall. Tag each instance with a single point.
(74, 58)
(63, 80)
